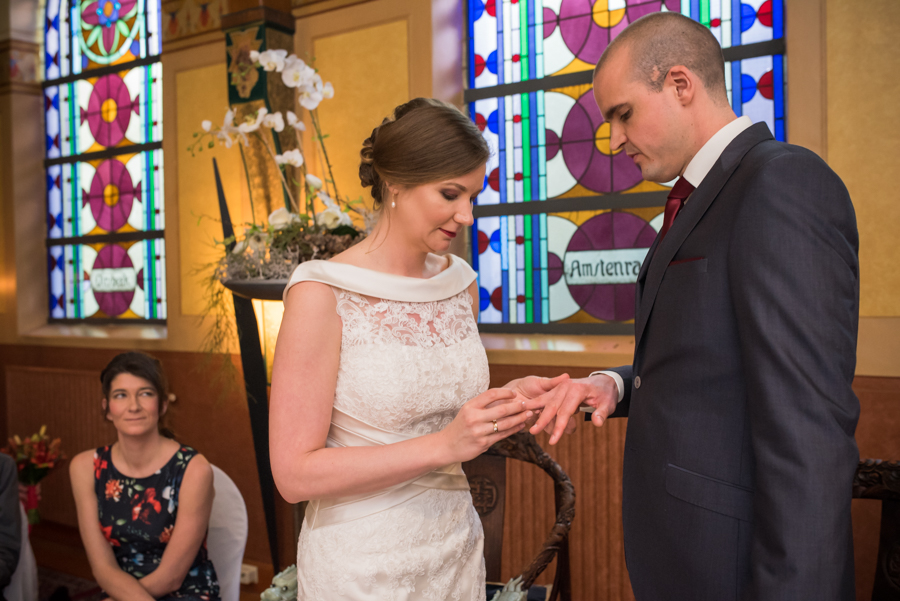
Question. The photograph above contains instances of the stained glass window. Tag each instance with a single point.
(105, 206)
(564, 221)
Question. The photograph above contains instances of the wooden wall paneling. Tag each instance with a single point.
(68, 403)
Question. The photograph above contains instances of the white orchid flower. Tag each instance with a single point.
(313, 182)
(252, 124)
(332, 217)
(282, 218)
(329, 218)
(328, 90)
(310, 96)
(254, 56)
(228, 129)
(206, 125)
(257, 242)
(272, 60)
(296, 73)
(240, 247)
(295, 122)
(291, 157)
(327, 200)
(275, 121)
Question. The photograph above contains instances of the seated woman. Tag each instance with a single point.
(151, 495)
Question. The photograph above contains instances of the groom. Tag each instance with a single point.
(740, 455)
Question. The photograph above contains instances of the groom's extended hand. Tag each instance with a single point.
(559, 405)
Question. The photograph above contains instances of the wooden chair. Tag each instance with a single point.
(876, 479)
(487, 480)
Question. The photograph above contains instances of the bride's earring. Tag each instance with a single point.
(393, 204)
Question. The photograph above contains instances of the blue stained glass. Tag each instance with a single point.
(748, 17)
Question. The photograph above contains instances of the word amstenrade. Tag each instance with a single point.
(593, 267)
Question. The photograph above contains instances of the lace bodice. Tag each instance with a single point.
(410, 358)
(408, 367)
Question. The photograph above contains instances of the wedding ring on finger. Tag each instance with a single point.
(496, 429)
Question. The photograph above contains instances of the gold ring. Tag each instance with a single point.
(496, 429)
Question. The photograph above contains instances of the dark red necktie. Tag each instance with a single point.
(680, 191)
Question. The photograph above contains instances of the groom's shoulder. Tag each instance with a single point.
(772, 161)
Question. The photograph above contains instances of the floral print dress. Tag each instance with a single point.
(137, 517)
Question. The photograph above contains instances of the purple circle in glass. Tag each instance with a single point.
(555, 268)
(112, 195)
(590, 167)
(551, 144)
(550, 22)
(113, 304)
(583, 37)
(612, 230)
(109, 110)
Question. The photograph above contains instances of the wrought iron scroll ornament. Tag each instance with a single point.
(524, 447)
(877, 479)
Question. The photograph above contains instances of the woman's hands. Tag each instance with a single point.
(473, 431)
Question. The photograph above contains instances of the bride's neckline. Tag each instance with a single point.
(430, 260)
(455, 278)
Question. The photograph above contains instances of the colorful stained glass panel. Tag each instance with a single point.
(551, 144)
(567, 267)
(105, 210)
(120, 194)
(121, 281)
(518, 40)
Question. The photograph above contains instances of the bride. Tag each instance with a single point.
(380, 381)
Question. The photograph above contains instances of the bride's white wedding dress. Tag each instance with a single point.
(410, 358)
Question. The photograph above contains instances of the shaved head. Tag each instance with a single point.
(659, 41)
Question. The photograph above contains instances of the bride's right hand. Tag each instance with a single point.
(472, 432)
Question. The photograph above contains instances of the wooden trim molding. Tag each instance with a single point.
(807, 67)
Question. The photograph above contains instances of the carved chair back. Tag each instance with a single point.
(876, 479)
(487, 480)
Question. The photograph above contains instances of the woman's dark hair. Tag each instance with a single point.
(424, 141)
(142, 366)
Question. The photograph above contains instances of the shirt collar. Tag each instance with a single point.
(704, 160)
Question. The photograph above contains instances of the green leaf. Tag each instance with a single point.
(138, 487)
(196, 133)
(121, 522)
(345, 230)
(211, 144)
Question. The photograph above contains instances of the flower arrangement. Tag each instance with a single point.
(297, 232)
(284, 586)
(35, 457)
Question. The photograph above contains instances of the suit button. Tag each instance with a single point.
(637, 381)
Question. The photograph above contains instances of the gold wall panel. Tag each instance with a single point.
(203, 94)
(864, 138)
(369, 68)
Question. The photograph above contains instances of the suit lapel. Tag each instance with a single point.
(654, 268)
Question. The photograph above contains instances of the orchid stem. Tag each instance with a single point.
(249, 187)
(315, 121)
(280, 172)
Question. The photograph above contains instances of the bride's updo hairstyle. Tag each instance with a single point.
(424, 141)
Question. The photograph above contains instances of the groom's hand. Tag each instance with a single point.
(532, 387)
(560, 404)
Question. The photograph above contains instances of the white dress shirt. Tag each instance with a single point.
(695, 173)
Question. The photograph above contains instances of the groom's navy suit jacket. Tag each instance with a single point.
(740, 450)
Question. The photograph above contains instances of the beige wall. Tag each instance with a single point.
(863, 148)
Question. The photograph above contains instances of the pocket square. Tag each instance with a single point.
(680, 261)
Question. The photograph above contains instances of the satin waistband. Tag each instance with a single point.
(348, 431)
